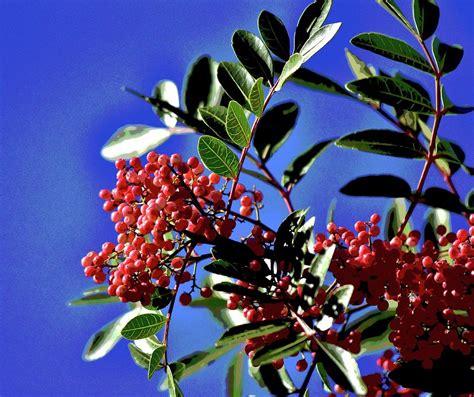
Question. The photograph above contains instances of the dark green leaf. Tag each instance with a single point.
(339, 363)
(453, 374)
(441, 198)
(239, 271)
(214, 117)
(394, 218)
(252, 330)
(301, 165)
(279, 349)
(234, 379)
(161, 298)
(310, 21)
(139, 357)
(216, 305)
(143, 326)
(318, 40)
(310, 79)
(451, 108)
(391, 48)
(324, 377)
(274, 128)
(274, 34)
(256, 97)
(233, 252)
(237, 289)
(201, 87)
(236, 81)
(452, 157)
(374, 327)
(314, 278)
(394, 92)
(278, 382)
(290, 67)
(377, 186)
(435, 217)
(393, 9)
(173, 387)
(237, 124)
(426, 16)
(470, 200)
(385, 142)
(217, 157)
(155, 360)
(167, 91)
(258, 176)
(97, 298)
(342, 295)
(253, 54)
(448, 57)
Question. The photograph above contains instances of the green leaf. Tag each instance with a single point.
(237, 125)
(394, 92)
(301, 165)
(234, 379)
(155, 360)
(448, 57)
(342, 295)
(274, 34)
(318, 40)
(104, 340)
(217, 157)
(469, 200)
(237, 289)
(324, 377)
(140, 358)
(201, 87)
(377, 186)
(274, 129)
(426, 16)
(394, 218)
(339, 362)
(391, 48)
(278, 382)
(393, 9)
(256, 97)
(143, 326)
(253, 54)
(257, 175)
(385, 142)
(214, 117)
(441, 198)
(236, 81)
(450, 107)
(167, 91)
(310, 21)
(97, 298)
(314, 278)
(242, 332)
(290, 67)
(279, 349)
(359, 68)
(313, 80)
(134, 140)
(374, 327)
(173, 387)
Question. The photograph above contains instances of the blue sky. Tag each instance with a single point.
(61, 69)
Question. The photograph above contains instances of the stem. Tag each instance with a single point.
(173, 300)
(432, 147)
(243, 155)
(307, 378)
(285, 194)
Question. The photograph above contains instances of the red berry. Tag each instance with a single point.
(185, 299)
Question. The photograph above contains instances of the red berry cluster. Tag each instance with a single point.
(436, 305)
(157, 208)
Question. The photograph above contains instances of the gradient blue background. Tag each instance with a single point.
(62, 66)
